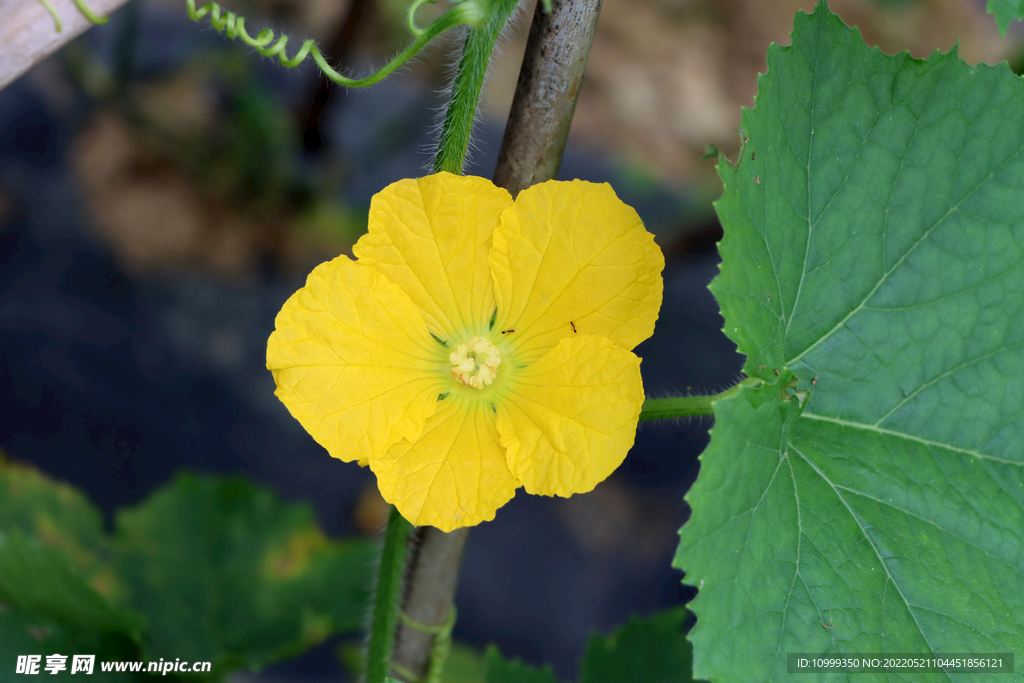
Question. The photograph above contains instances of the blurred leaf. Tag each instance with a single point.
(500, 670)
(55, 512)
(231, 574)
(52, 551)
(224, 571)
(31, 634)
(464, 665)
(37, 579)
(887, 4)
(1006, 11)
(334, 220)
(352, 657)
(59, 516)
(653, 650)
(264, 143)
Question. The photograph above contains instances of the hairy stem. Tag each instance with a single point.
(469, 81)
(688, 406)
(387, 597)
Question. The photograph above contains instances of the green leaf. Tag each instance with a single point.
(52, 555)
(874, 246)
(653, 650)
(61, 518)
(55, 584)
(24, 634)
(464, 665)
(500, 670)
(232, 575)
(37, 579)
(1006, 11)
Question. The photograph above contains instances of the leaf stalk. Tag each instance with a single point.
(689, 406)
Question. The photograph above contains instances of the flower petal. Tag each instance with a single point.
(454, 475)
(571, 417)
(573, 254)
(431, 237)
(353, 361)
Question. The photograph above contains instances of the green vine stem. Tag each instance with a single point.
(469, 80)
(233, 26)
(387, 597)
(689, 406)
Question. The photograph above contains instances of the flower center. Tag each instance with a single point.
(475, 363)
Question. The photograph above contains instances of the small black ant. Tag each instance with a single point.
(507, 331)
(573, 326)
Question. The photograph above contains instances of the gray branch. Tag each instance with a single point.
(545, 99)
(432, 568)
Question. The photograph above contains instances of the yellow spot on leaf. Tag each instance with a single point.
(293, 559)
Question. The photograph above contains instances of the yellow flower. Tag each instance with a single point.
(476, 345)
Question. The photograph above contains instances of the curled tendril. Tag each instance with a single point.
(82, 7)
(233, 26)
(464, 12)
(89, 14)
(411, 16)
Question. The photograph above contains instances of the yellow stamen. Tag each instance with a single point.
(475, 363)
